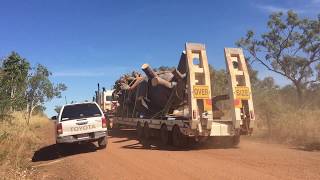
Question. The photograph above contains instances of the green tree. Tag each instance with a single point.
(219, 81)
(41, 89)
(290, 47)
(1, 73)
(267, 91)
(14, 74)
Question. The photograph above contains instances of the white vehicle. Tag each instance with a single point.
(82, 122)
(104, 100)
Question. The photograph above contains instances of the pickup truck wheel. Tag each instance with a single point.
(102, 142)
(146, 131)
(164, 135)
(139, 131)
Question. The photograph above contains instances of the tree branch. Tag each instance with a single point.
(267, 66)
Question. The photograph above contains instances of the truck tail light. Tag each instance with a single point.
(104, 122)
(194, 114)
(59, 128)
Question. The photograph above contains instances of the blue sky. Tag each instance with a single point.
(85, 42)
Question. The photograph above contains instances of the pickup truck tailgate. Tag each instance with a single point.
(81, 126)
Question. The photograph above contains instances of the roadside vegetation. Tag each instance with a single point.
(290, 47)
(18, 141)
(23, 92)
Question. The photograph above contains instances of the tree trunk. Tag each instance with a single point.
(269, 124)
(30, 109)
(299, 93)
(29, 117)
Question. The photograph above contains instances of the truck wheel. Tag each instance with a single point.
(139, 131)
(164, 135)
(178, 139)
(235, 140)
(102, 142)
(146, 131)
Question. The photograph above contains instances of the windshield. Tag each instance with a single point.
(79, 111)
(108, 98)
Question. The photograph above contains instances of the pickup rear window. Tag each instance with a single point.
(80, 111)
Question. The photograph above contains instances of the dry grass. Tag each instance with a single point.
(300, 128)
(17, 143)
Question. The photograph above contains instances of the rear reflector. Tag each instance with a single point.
(59, 128)
(104, 122)
(237, 103)
(194, 114)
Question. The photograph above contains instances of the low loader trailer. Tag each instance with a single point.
(189, 111)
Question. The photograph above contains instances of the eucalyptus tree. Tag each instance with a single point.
(290, 47)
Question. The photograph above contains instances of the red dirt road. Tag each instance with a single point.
(126, 158)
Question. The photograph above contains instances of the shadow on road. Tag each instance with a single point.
(53, 152)
(155, 144)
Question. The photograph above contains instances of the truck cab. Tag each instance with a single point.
(105, 100)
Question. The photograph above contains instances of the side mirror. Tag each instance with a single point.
(54, 118)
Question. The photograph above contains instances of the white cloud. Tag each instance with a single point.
(308, 8)
(271, 9)
(315, 1)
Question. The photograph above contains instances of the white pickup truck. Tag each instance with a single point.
(82, 122)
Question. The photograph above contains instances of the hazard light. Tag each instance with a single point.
(104, 122)
(59, 128)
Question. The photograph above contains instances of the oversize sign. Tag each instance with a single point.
(242, 92)
(201, 92)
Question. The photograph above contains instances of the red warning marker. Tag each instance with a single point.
(237, 103)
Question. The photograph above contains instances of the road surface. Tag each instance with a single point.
(127, 158)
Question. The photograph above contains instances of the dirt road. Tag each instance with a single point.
(126, 158)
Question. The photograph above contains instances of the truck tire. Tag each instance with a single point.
(235, 140)
(164, 135)
(139, 131)
(146, 131)
(178, 139)
(102, 142)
